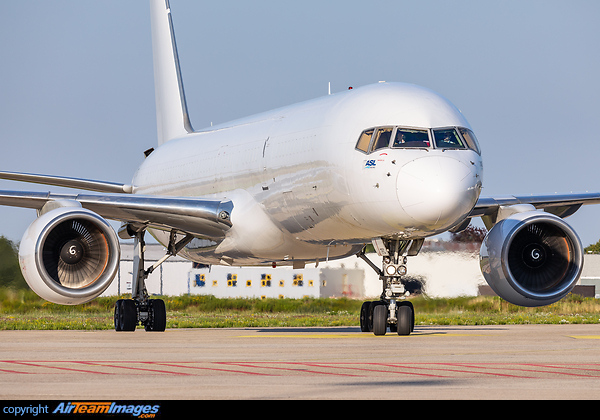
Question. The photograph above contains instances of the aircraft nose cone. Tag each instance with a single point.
(437, 190)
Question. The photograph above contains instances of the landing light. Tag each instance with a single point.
(390, 270)
(395, 270)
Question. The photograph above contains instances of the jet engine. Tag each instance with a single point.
(532, 258)
(69, 255)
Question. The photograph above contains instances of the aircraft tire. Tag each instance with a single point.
(364, 317)
(412, 311)
(405, 316)
(380, 315)
(117, 316)
(158, 322)
(125, 315)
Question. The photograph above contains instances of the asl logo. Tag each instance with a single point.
(370, 164)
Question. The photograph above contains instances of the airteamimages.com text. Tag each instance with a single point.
(57, 408)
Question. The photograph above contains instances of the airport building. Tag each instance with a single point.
(591, 273)
(178, 276)
(441, 269)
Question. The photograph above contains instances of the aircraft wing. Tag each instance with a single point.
(562, 205)
(202, 217)
(62, 181)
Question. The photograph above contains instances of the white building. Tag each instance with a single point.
(444, 273)
(591, 272)
(178, 276)
(170, 278)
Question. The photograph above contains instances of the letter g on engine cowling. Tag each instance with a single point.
(532, 258)
(69, 255)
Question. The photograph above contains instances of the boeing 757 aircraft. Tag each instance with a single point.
(388, 164)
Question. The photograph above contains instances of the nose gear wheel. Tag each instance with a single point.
(392, 310)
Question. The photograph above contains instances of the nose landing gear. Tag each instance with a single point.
(391, 310)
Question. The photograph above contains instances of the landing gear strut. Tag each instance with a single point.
(391, 310)
(151, 313)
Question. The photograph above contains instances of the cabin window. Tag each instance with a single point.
(448, 138)
(411, 138)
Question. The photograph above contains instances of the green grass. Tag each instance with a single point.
(24, 310)
(487, 310)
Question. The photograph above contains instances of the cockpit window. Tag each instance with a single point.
(401, 137)
(411, 138)
(364, 140)
(448, 138)
(470, 139)
(382, 138)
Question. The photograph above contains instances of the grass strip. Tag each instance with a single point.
(23, 310)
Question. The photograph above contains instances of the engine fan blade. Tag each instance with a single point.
(80, 236)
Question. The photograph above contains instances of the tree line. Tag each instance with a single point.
(10, 272)
(593, 248)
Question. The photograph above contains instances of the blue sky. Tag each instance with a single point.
(77, 93)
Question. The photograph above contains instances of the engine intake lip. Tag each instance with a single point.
(545, 255)
(110, 265)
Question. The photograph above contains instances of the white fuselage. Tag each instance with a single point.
(303, 192)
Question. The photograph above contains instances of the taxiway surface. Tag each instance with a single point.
(481, 362)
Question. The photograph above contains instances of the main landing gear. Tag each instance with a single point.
(391, 310)
(151, 313)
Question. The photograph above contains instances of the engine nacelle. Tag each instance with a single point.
(69, 255)
(532, 258)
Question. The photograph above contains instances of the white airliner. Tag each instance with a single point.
(388, 164)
